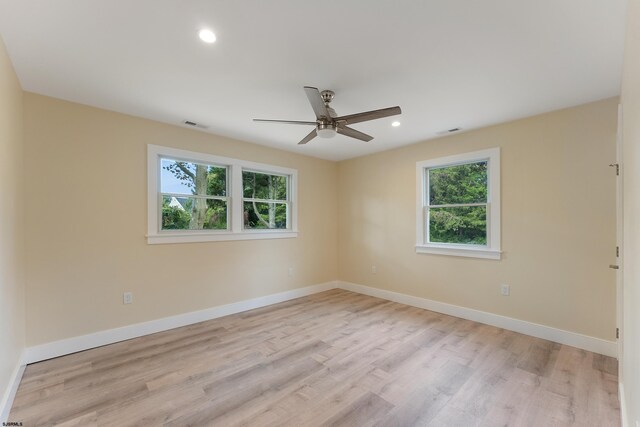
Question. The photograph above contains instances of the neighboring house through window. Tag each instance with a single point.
(458, 205)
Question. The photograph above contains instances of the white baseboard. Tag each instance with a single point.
(71, 345)
(12, 388)
(596, 345)
(623, 405)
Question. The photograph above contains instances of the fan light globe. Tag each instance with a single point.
(326, 133)
(326, 130)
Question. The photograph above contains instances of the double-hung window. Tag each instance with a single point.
(266, 200)
(458, 205)
(193, 195)
(196, 197)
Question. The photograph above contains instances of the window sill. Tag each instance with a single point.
(220, 236)
(459, 251)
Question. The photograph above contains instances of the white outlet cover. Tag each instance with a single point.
(127, 298)
(505, 290)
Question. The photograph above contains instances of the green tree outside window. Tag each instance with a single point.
(457, 204)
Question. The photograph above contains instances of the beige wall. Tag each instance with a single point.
(631, 246)
(86, 210)
(87, 218)
(558, 222)
(12, 295)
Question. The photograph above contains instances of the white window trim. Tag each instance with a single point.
(492, 249)
(235, 199)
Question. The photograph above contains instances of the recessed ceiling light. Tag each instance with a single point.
(395, 124)
(207, 36)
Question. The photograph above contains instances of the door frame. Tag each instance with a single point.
(619, 242)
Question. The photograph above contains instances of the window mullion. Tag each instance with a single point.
(237, 218)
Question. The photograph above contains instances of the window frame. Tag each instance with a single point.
(235, 220)
(492, 248)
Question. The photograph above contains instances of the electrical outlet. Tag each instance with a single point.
(290, 271)
(127, 298)
(505, 290)
(374, 269)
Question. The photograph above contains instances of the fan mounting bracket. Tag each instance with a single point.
(327, 96)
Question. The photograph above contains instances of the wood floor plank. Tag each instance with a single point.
(428, 398)
(330, 359)
(364, 411)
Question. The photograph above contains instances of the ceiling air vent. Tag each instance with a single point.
(194, 124)
(448, 131)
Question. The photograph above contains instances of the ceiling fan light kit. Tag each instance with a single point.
(328, 123)
(326, 130)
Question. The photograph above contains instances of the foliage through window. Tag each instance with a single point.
(265, 200)
(196, 197)
(457, 208)
(459, 205)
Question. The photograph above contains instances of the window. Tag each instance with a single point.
(265, 200)
(458, 205)
(193, 196)
(196, 197)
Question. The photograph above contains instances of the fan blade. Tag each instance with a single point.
(309, 137)
(346, 131)
(291, 122)
(317, 103)
(369, 115)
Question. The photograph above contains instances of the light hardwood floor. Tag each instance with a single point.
(334, 358)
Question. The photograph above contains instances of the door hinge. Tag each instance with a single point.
(617, 251)
(617, 166)
(617, 332)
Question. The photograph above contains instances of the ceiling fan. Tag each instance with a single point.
(328, 123)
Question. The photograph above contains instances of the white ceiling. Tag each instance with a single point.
(447, 63)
